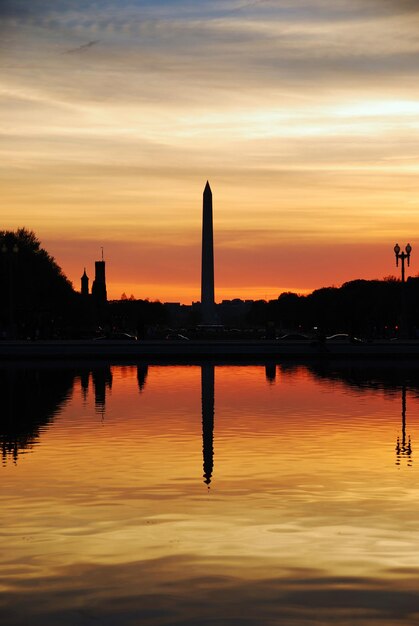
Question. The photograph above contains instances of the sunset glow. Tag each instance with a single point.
(303, 116)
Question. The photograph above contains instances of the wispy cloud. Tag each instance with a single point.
(83, 47)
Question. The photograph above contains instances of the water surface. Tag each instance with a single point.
(186, 495)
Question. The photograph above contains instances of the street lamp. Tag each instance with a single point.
(402, 256)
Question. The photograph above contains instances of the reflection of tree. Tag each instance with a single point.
(383, 377)
(388, 377)
(31, 399)
(207, 387)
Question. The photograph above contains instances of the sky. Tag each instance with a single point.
(302, 114)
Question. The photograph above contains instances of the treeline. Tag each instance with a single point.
(37, 301)
(375, 308)
(35, 295)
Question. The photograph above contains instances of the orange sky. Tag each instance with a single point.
(303, 116)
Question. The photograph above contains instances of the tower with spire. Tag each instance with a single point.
(207, 267)
(84, 284)
(99, 293)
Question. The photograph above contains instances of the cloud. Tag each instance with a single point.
(295, 45)
(85, 46)
(296, 110)
(71, 12)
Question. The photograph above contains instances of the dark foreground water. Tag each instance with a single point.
(251, 495)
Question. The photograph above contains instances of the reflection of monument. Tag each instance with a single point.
(207, 389)
(207, 268)
(403, 445)
(270, 372)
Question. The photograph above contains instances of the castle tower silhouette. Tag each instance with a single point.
(84, 284)
(207, 268)
(99, 284)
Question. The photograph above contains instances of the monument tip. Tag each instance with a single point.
(207, 187)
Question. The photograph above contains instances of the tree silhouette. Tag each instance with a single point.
(34, 290)
(370, 308)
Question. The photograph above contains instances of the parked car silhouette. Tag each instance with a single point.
(345, 338)
(177, 336)
(117, 336)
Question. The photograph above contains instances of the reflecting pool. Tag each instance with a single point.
(199, 495)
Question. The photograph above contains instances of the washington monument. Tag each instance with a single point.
(207, 275)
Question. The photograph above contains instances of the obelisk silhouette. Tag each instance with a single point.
(207, 275)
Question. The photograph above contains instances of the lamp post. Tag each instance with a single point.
(402, 256)
(10, 252)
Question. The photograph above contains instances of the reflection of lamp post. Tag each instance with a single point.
(10, 252)
(403, 256)
(403, 445)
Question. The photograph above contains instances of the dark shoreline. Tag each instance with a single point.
(197, 350)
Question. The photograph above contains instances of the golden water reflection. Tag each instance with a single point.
(182, 495)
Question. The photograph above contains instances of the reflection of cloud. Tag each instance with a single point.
(164, 591)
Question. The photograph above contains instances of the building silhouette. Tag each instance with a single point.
(99, 284)
(84, 284)
(207, 268)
